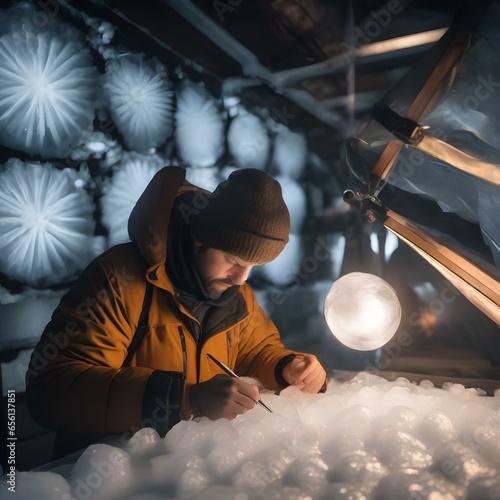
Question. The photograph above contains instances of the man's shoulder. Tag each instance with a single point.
(249, 296)
(127, 250)
(124, 255)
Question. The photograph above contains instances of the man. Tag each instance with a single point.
(183, 278)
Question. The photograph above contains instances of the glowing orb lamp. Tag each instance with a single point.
(362, 311)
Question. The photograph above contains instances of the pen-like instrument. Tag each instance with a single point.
(232, 374)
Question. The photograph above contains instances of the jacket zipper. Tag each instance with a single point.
(184, 353)
(200, 346)
(228, 344)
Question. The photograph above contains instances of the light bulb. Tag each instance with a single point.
(362, 311)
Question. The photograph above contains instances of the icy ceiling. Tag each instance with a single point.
(303, 50)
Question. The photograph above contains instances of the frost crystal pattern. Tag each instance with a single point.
(123, 192)
(47, 88)
(199, 131)
(248, 141)
(45, 223)
(140, 101)
(290, 153)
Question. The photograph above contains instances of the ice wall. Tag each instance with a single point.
(46, 223)
(140, 100)
(121, 193)
(48, 85)
(199, 126)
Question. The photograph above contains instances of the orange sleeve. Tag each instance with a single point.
(260, 346)
(75, 380)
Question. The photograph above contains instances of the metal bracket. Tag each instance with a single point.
(367, 205)
(404, 129)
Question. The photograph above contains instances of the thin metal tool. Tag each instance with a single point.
(232, 374)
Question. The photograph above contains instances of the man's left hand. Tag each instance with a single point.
(305, 372)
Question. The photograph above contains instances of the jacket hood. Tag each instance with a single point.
(148, 221)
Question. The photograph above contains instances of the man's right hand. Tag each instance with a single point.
(222, 397)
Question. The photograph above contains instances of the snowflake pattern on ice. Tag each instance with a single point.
(248, 141)
(140, 101)
(200, 130)
(133, 175)
(47, 88)
(45, 223)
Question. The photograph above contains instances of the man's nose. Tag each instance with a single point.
(239, 274)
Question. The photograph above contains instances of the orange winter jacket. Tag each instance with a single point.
(76, 381)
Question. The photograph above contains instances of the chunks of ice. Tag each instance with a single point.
(39, 485)
(279, 492)
(186, 475)
(484, 487)
(102, 472)
(399, 449)
(486, 440)
(339, 446)
(276, 462)
(309, 473)
(253, 434)
(344, 491)
(459, 463)
(356, 420)
(412, 484)
(221, 492)
(142, 441)
(359, 467)
(403, 416)
(251, 477)
(187, 436)
(436, 428)
(366, 438)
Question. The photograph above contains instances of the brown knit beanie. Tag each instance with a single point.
(245, 216)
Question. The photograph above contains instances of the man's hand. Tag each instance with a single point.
(305, 372)
(222, 397)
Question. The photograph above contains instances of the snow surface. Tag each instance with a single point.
(14, 372)
(366, 438)
(24, 316)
